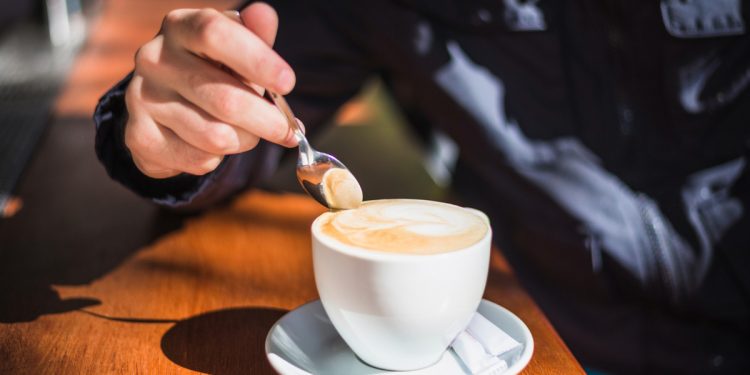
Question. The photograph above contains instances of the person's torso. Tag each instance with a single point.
(607, 139)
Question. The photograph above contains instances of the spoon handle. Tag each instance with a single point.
(307, 155)
(290, 118)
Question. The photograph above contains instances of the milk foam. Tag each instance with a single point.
(341, 189)
(405, 226)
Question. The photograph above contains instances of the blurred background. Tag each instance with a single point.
(57, 57)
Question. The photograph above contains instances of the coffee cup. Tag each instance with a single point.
(400, 279)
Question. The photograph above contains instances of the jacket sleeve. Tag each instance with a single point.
(329, 72)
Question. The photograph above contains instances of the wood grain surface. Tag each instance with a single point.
(94, 280)
(203, 297)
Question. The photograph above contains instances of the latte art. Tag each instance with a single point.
(406, 226)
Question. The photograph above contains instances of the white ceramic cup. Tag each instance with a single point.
(399, 311)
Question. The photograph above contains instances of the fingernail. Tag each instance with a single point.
(285, 82)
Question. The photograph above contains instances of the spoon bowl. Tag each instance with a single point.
(310, 176)
(313, 165)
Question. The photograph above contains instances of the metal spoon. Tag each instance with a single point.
(312, 165)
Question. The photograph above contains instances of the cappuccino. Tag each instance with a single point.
(405, 226)
(400, 278)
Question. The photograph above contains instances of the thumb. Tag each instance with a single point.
(262, 20)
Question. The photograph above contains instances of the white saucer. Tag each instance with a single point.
(304, 342)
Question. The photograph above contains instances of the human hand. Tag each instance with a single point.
(196, 92)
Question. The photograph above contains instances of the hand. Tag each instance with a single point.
(196, 92)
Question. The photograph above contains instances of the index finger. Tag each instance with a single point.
(209, 33)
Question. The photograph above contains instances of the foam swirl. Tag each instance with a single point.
(406, 226)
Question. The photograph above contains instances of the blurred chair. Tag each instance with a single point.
(38, 42)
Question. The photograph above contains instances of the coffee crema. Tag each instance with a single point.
(405, 226)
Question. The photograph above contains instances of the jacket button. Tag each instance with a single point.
(482, 17)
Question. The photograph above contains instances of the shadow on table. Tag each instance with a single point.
(228, 341)
(76, 226)
(27, 275)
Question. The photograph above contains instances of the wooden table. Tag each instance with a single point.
(95, 280)
(201, 297)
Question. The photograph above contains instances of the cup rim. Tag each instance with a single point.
(369, 254)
